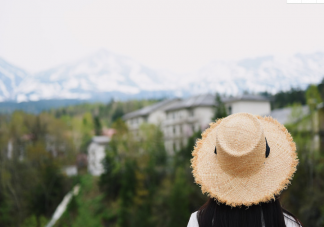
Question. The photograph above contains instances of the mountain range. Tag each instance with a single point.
(105, 75)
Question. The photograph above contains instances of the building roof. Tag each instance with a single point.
(108, 132)
(148, 109)
(247, 97)
(209, 100)
(100, 139)
(194, 101)
(283, 115)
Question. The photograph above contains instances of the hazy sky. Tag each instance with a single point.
(177, 35)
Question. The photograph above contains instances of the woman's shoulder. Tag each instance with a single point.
(193, 222)
(290, 221)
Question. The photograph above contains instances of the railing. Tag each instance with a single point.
(63, 205)
(179, 121)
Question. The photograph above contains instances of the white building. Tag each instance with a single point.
(186, 117)
(96, 154)
(71, 170)
(180, 118)
(253, 104)
(153, 114)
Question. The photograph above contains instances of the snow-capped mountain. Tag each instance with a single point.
(105, 74)
(102, 73)
(261, 74)
(10, 78)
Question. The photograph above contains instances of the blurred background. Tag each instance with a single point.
(101, 103)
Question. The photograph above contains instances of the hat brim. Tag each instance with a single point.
(275, 175)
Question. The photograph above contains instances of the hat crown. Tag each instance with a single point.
(240, 144)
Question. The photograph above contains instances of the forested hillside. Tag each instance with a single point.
(107, 113)
(143, 185)
(35, 149)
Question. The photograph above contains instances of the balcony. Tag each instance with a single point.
(177, 121)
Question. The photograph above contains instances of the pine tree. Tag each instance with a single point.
(220, 109)
(97, 125)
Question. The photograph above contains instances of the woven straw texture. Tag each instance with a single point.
(240, 174)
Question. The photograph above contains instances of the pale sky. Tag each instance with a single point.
(180, 36)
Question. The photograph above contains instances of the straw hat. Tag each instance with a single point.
(244, 159)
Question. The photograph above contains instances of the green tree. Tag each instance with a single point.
(97, 125)
(179, 202)
(134, 171)
(220, 108)
(313, 97)
(31, 181)
(304, 195)
(118, 113)
(285, 98)
(33, 221)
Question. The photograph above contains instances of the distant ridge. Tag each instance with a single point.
(36, 107)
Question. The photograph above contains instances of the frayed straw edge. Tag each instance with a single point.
(283, 185)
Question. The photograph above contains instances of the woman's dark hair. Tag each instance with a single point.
(271, 214)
